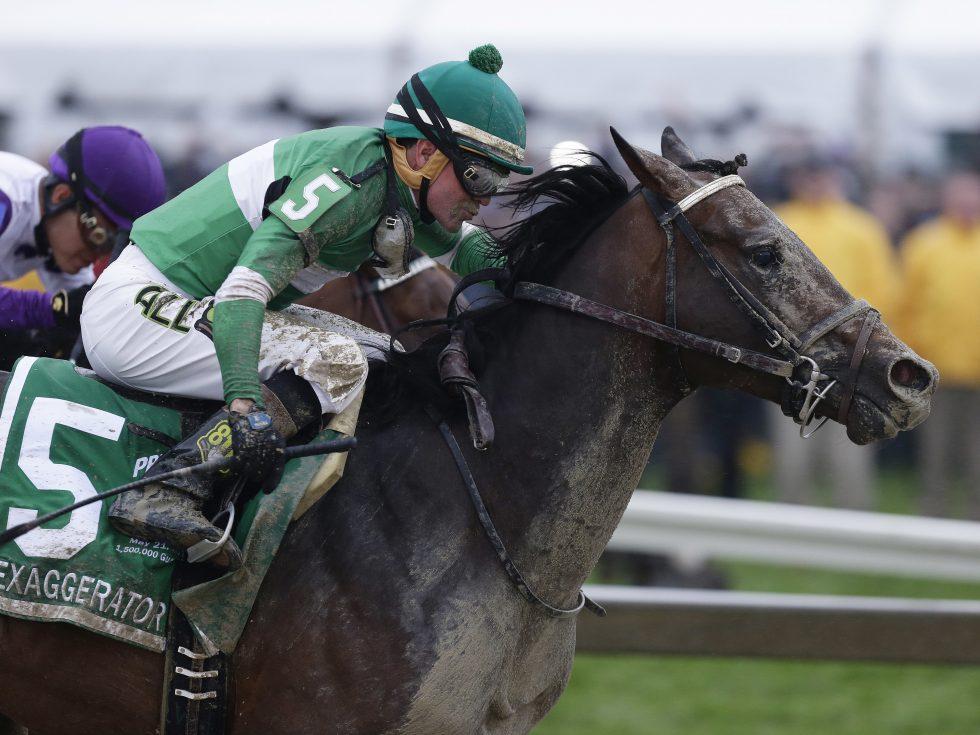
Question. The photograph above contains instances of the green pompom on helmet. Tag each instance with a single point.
(481, 111)
(486, 58)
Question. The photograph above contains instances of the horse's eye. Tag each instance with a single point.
(765, 257)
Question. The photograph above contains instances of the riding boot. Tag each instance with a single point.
(171, 510)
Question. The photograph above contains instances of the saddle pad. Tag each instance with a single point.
(64, 437)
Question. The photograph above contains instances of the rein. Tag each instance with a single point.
(371, 289)
(494, 538)
(366, 291)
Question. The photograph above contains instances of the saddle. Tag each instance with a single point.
(193, 411)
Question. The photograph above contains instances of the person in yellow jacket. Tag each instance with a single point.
(851, 242)
(855, 247)
(940, 319)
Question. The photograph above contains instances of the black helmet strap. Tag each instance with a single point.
(49, 208)
(79, 181)
(438, 131)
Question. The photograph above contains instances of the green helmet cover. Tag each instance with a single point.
(485, 114)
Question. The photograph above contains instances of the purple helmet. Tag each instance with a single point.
(115, 169)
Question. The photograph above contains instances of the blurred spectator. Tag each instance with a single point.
(855, 247)
(941, 321)
(903, 201)
(705, 440)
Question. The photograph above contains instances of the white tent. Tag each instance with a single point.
(889, 75)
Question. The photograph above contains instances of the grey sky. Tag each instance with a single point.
(949, 26)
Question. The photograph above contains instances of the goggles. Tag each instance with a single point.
(98, 238)
(479, 177)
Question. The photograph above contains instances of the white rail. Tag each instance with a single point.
(694, 527)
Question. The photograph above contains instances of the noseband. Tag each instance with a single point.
(803, 392)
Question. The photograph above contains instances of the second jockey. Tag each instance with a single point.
(191, 306)
(59, 222)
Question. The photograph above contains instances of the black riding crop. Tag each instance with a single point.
(211, 465)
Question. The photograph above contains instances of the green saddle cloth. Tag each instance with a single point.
(65, 437)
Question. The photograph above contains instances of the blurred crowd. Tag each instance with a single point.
(908, 243)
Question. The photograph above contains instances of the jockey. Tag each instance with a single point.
(59, 223)
(191, 306)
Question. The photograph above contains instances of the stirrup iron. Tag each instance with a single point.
(204, 549)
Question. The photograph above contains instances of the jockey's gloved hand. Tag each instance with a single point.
(67, 306)
(258, 447)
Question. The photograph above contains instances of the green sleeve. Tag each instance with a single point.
(237, 336)
(475, 252)
(275, 252)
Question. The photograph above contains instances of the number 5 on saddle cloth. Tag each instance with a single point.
(64, 437)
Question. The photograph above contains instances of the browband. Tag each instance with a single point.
(708, 189)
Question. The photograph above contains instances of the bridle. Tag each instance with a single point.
(803, 392)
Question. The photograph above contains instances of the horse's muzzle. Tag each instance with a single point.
(900, 402)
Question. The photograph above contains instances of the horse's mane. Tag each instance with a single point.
(563, 205)
(561, 208)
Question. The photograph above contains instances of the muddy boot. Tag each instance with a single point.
(171, 510)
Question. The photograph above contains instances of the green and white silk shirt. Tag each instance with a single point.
(286, 218)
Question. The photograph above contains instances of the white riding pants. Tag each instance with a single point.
(138, 331)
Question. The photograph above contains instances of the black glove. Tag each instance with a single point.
(67, 306)
(259, 449)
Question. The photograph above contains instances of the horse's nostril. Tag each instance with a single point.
(910, 374)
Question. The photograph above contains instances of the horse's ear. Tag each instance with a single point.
(674, 149)
(654, 172)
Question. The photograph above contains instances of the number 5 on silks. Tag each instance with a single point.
(307, 198)
(35, 462)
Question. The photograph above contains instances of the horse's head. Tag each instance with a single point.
(791, 290)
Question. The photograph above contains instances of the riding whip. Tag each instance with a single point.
(208, 466)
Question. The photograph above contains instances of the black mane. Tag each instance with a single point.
(563, 206)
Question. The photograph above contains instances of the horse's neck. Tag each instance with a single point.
(578, 404)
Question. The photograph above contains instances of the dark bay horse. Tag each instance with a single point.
(386, 610)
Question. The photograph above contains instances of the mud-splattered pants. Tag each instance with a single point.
(139, 331)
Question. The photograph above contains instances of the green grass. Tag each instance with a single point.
(627, 695)
(763, 578)
(661, 695)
